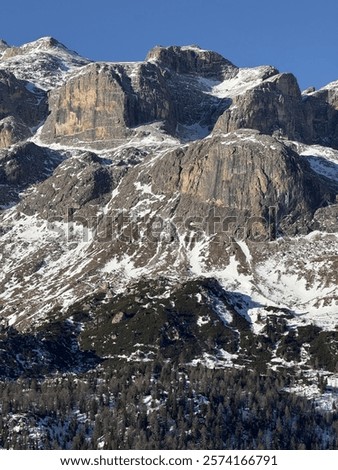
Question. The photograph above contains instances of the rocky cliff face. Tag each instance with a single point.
(274, 107)
(22, 108)
(78, 186)
(321, 112)
(89, 107)
(180, 166)
(243, 185)
(22, 166)
(192, 60)
(103, 103)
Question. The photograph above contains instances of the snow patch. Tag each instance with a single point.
(203, 320)
(220, 360)
(123, 267)
(246, 79)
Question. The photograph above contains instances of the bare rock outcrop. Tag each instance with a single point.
(77, 189)
(321, 111)
(89, 107)
(24, 165)
(22, 107)
(246, 175)
(12, 130)
(192, 60)
(273, 107)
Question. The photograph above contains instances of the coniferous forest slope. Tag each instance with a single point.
(169, 253)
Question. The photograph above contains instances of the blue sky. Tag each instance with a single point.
(293, 35)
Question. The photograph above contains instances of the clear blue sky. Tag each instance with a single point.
(293, 35)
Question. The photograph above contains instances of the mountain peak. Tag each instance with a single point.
(192, 60)
(3, 43)
(46, 40)
(44, 62)
(45, 44)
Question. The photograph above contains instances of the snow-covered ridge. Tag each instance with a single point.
(45, 62)
(46, 43)
(193, 47)
(329, 87)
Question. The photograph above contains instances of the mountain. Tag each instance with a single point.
(177, 209)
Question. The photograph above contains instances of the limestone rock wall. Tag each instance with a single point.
(21, 109)
(243, 175)
(89, 107)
